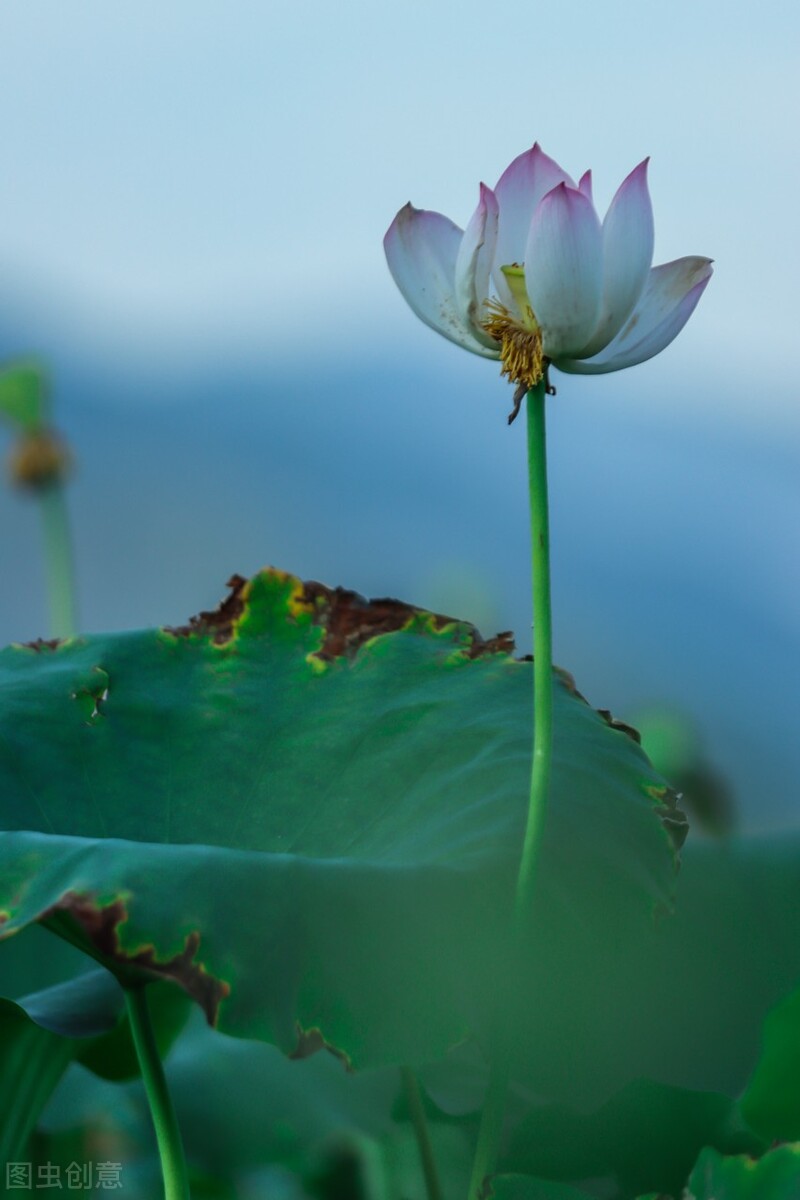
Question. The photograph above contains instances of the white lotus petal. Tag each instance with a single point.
(473, 266)
(585, 185)
(421, 249)
(519, 189)
(668, 300)
(563, 270)
(627, 255)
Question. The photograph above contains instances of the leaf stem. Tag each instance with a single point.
(168, 1137)
(491, 1125)
(494, 1107)
(416, 1109)
(58, 560)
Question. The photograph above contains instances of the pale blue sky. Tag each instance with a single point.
(206, 173)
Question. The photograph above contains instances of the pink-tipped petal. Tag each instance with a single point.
(520, 188)
(474, 264)
(563, 270)
(421, 249)
(585, 185)
(669, 298)
(628, 237)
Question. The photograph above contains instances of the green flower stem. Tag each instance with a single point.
(494, 1106)
(58, 560)
(542, 656)
(168, 1137)
(416, 1109)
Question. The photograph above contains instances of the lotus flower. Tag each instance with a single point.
(536, 278)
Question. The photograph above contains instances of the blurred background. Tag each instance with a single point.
(191, 216)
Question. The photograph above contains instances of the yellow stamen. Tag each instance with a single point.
(520, 337)
(520, 345)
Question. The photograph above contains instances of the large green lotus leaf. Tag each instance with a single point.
(307, 809)
(776, 1176)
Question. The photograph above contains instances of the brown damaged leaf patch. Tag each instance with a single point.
(310, 1041)
(501, 643)
(100, 924)
(41, 644)
(219, 622)
(349, 621)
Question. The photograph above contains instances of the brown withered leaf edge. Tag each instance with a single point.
(219, 622)
(41, 644)
(349, 620)
(99, 926)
